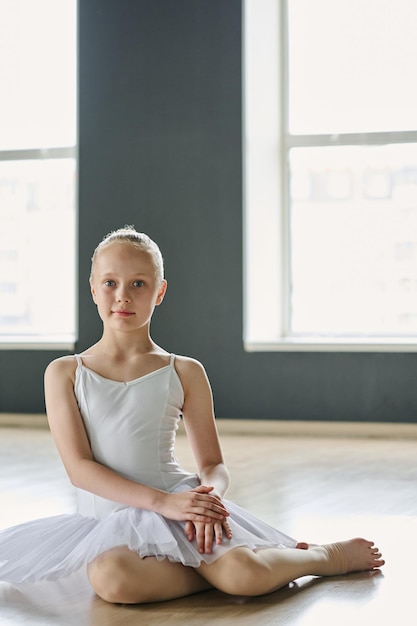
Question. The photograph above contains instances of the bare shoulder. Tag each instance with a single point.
(190, 371)
(189, 366)
(63, 367)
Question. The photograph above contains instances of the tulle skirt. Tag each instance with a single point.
(54, 547)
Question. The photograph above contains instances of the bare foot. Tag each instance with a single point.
(355, 555)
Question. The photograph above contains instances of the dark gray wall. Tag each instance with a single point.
(160, 114)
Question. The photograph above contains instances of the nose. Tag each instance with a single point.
(123, 294)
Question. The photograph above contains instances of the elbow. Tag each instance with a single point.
(75, 480)
(77, 474)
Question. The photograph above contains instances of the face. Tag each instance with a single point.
(125, 287)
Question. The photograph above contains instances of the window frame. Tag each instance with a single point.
(42, 342)
(266, 237)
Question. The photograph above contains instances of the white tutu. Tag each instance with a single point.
(55, 547)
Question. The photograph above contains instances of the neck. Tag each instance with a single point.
(123, 343)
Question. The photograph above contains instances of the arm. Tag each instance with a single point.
(71, 440)
(200, 426)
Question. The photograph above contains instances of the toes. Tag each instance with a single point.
(377, 564)
(376, 554)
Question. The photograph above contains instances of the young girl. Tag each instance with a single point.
(146, 529)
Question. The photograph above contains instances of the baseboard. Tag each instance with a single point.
(23, 420)
(368, 430)
(265, 428)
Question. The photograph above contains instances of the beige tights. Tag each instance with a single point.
(120, 575)
(244, 572)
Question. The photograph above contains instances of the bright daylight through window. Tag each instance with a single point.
(37, 172)
(336, 230)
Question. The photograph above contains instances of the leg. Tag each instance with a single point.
(248, 573)
(122, 576)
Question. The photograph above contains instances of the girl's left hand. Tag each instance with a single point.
(206, 533)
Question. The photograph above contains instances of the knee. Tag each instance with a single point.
(108, 577)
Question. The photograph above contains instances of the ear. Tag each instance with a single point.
(92, 290)
(161, 293)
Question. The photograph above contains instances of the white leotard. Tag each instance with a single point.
(131, 427)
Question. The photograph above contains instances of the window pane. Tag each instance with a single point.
(353, 225)
(37, 248)
(37, 73)
(352, 66)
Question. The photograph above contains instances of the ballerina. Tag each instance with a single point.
(146, 529)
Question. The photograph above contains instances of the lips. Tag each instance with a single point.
(122, 313)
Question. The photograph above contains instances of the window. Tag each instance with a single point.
(37, 173)
(330, 175)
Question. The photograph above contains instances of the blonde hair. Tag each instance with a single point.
(129, 235)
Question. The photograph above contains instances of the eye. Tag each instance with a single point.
(138, 283)
(109, 283)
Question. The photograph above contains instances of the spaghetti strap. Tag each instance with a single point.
(79, 361)
(172, 360)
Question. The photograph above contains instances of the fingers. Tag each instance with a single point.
(207, 547)
(216, 503)
(189, 531)
(204, 508)
(226, 530)
(202, 489)
(208, 534)
(204, 537)
(193, 506)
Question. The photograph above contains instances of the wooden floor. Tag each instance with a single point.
(317, 489)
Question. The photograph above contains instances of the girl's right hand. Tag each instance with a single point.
(196, 505)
